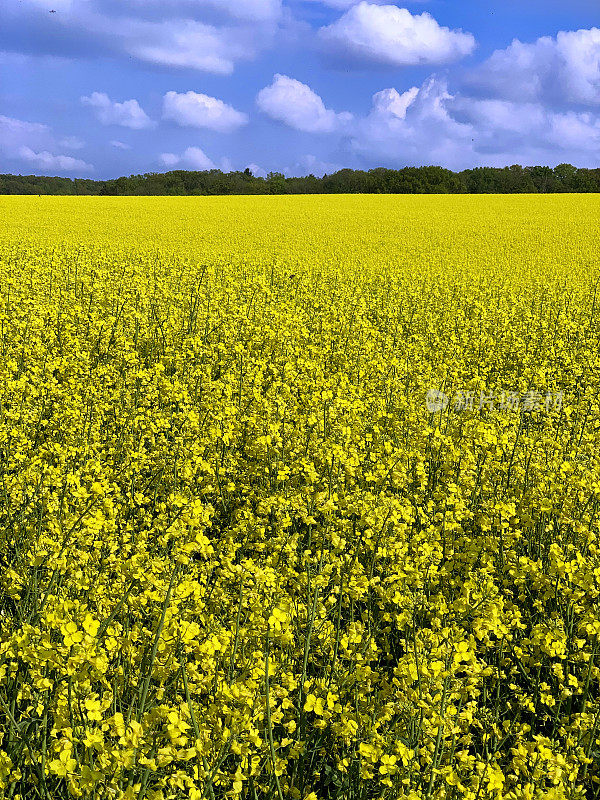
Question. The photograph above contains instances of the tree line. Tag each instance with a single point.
(410, 180)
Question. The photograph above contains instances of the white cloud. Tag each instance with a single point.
(527, 118)
(128, 114)
(170, 159)
(193, 158)
(414, 128)
(34, 143)
(392, 36)
(120, 145)
(13, 132)
(257, 171)
(564, 69)
(311, 165)
(295, 104)
(202, 111)
(197, 159)
(184, 43)
(48, 161)
(208, 35)
(530, 130)
(429, 125)
(390, 101)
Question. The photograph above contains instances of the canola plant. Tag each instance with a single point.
(299, 498)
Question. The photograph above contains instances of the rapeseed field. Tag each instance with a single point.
(299, 498)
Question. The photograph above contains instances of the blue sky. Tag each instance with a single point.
(101, 88)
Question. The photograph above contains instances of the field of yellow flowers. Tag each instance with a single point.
(299, 498)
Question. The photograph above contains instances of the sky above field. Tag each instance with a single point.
(101, 88)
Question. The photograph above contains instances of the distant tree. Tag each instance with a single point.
(408, 180)
(276, 183)
(566, 175)
(543, 178)
(586, 180)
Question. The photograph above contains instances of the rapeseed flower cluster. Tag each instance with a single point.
(240, 556)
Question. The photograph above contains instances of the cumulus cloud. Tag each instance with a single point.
(208, 35)
(530, 130)
(202, 111)
(13, 132)
(170, 159)
(431, 125)
(48, 161)
(192, 158)
(311, 165)
(389, 102)
(257, 171)
(187, 43)
(392, 36)
(34, 144)
(565, 69)
(414, 127)
(128, 114)
(296, 105)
